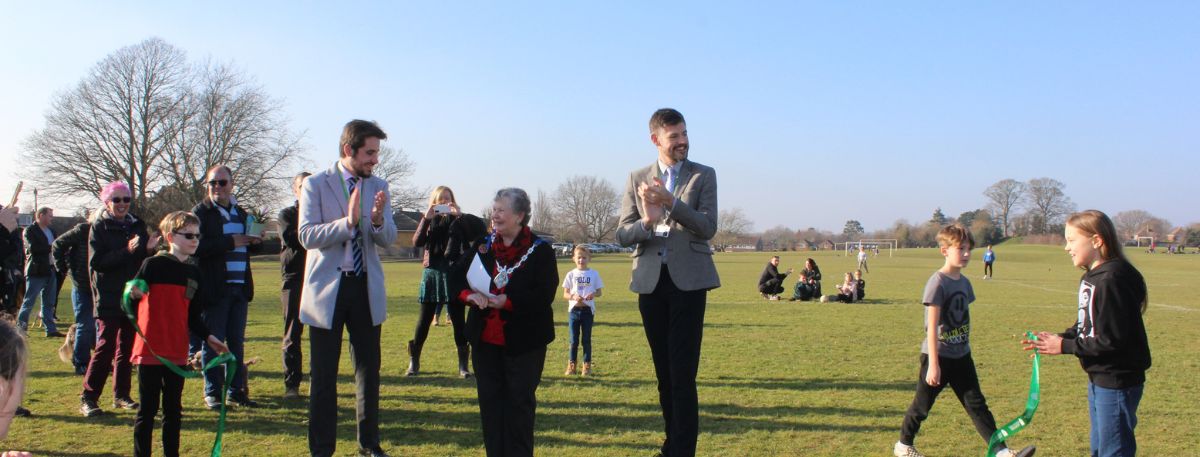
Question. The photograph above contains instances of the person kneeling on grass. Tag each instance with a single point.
(165, 314)
(770, 284)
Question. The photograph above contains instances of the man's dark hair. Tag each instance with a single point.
(664, 117)
(356, 132)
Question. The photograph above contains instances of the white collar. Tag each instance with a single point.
(345, 173)
(662, 167)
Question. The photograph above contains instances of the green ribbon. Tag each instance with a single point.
(1031, 404)
(227, 358)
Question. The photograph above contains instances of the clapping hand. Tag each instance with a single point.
(133, 244)
(651, 199)
(377, 208)
(153, 243)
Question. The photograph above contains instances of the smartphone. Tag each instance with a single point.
(441, 209)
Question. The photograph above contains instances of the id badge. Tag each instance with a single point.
(662, 230)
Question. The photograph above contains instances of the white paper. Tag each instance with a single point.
(478, 278)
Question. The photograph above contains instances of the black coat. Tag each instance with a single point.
(110, 261)
(291, 253)
(531, 289)
(214, 243)
(70, 252)
(37, 252)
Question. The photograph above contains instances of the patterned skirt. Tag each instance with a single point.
(433, 287)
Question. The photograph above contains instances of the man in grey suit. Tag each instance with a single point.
(669, 213)
(343, 283)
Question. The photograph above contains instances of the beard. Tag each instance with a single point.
(679, 153)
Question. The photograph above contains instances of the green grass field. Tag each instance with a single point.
(777, 378)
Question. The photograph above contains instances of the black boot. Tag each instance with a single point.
(414, 359)
(463, 352)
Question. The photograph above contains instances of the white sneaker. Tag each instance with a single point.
(904, 450)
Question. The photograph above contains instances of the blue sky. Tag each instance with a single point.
(812, 113)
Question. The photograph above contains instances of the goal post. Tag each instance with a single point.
(847, 247)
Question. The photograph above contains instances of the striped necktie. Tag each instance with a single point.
(357, 240)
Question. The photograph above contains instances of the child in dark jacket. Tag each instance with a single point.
(165, 315)
(1109, 336)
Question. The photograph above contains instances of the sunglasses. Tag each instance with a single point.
(120, 199)
(188, 235)
(218, 183)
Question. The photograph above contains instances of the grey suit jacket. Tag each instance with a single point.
(693, 222)
(324, 231)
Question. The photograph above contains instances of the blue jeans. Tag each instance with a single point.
(85, 326)
(1114, 415)
(47, 287)
(226, 320)
(580, 320)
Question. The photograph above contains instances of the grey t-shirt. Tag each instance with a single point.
(954, 296)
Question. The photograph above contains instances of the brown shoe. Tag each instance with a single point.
(587, 368)
(570, 369)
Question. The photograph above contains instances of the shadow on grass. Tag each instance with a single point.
(790, 384)
(706, 325)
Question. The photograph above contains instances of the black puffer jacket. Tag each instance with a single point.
(71, 253)
(111, 262)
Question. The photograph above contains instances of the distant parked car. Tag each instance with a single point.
(563, 249)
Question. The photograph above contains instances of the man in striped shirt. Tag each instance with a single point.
(224, 257)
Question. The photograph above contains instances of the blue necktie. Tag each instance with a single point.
(357, 240)
(670, 184)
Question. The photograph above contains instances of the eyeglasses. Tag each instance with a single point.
(120, 199)
(218, 183)
(188, 235)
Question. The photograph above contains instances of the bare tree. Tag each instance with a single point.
(1048, 204)
(587, 207)
(1003, 199)
(396, 168)
(227, 120)
(112, 126)
(731, 225)
(146, 117)
(778, 238)
(1130, 223)
(543, 214)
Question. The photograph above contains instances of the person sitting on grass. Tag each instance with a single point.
(847, 291)
(860, 289)
(804, 289)
(770, 284)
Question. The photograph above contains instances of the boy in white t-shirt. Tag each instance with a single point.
(581, 287)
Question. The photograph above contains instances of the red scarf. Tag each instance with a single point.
(493, 328)
(509, 255)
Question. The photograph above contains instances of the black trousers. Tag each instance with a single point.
(507, 386)
(960, 375)
(155, 381)
(771, 287)
(674, 323)
(987, 268)
(352, 310)
(454, 309)
(293, 330)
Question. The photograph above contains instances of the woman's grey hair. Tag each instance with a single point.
(518, 201)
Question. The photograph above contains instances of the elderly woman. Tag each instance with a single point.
(117, 245)
(510, 324)
(433, 234)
